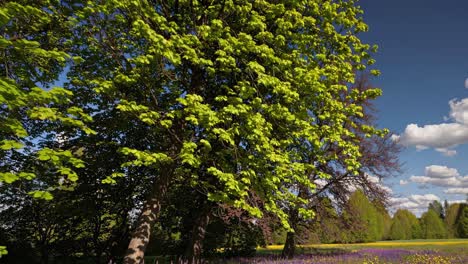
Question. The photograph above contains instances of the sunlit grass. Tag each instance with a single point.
(435, 243)
(436, 251)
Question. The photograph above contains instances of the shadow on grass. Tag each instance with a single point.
(263, 253)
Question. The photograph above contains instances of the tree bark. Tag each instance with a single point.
(141, 235)
(290, 246)
(195, 247)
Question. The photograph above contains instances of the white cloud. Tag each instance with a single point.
(456, 201)
(415, 203)
(395, 137)
(441, 176)
(435, 181)
(441, 137)
(447, 152)
(464, 181)
(438, 171)
(466, 83)
(379, 183)
(456, 191)
(373, 179)
(424, 198)
(387, 189)
(459, 110)
(403, 182)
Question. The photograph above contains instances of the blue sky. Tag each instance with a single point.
(423, 57)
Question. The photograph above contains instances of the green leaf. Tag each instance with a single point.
(27, 175)
(45, 195)
(8, 177)
(3, 251)
(10, 144)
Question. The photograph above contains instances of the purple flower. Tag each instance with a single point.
(389, 255)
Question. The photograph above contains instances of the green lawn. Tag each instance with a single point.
(458, 247)
(443, 245)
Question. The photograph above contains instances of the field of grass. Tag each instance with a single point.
(439, 251)
(440, 244)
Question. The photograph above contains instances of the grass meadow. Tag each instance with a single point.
(440, 251)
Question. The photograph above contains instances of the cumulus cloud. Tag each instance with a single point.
(415, 203)
(441, 137)
(403, 182)
(395, 137)
(459, 110)
(456, 191)
(387, 189)
(441, 176)
(379, 183)
(435, 181)
(440, 171)
(355, 185)
(425, 198)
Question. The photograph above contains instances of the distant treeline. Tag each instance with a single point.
(362, 220)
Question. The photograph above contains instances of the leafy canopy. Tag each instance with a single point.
(231, 89)
(33, 57)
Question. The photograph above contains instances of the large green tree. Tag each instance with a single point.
(451, 217)
(462, 222)
(226, 91)
(327, 226)
(379, 159)
(237, 100)
(437, 207)
(361, 218)
(405, 225)
(432, 226)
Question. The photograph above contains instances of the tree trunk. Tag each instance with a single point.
(44, 249)
(290, 246)
(195, 247)
(140, 237)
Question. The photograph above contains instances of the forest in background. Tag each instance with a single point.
(362, 220)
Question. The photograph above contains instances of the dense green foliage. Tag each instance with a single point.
(451, 219)
(432, 225)
(234, 85)
(362, 219)
(33, 56)
(436, 206)
(462, 222)
(405, 225)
